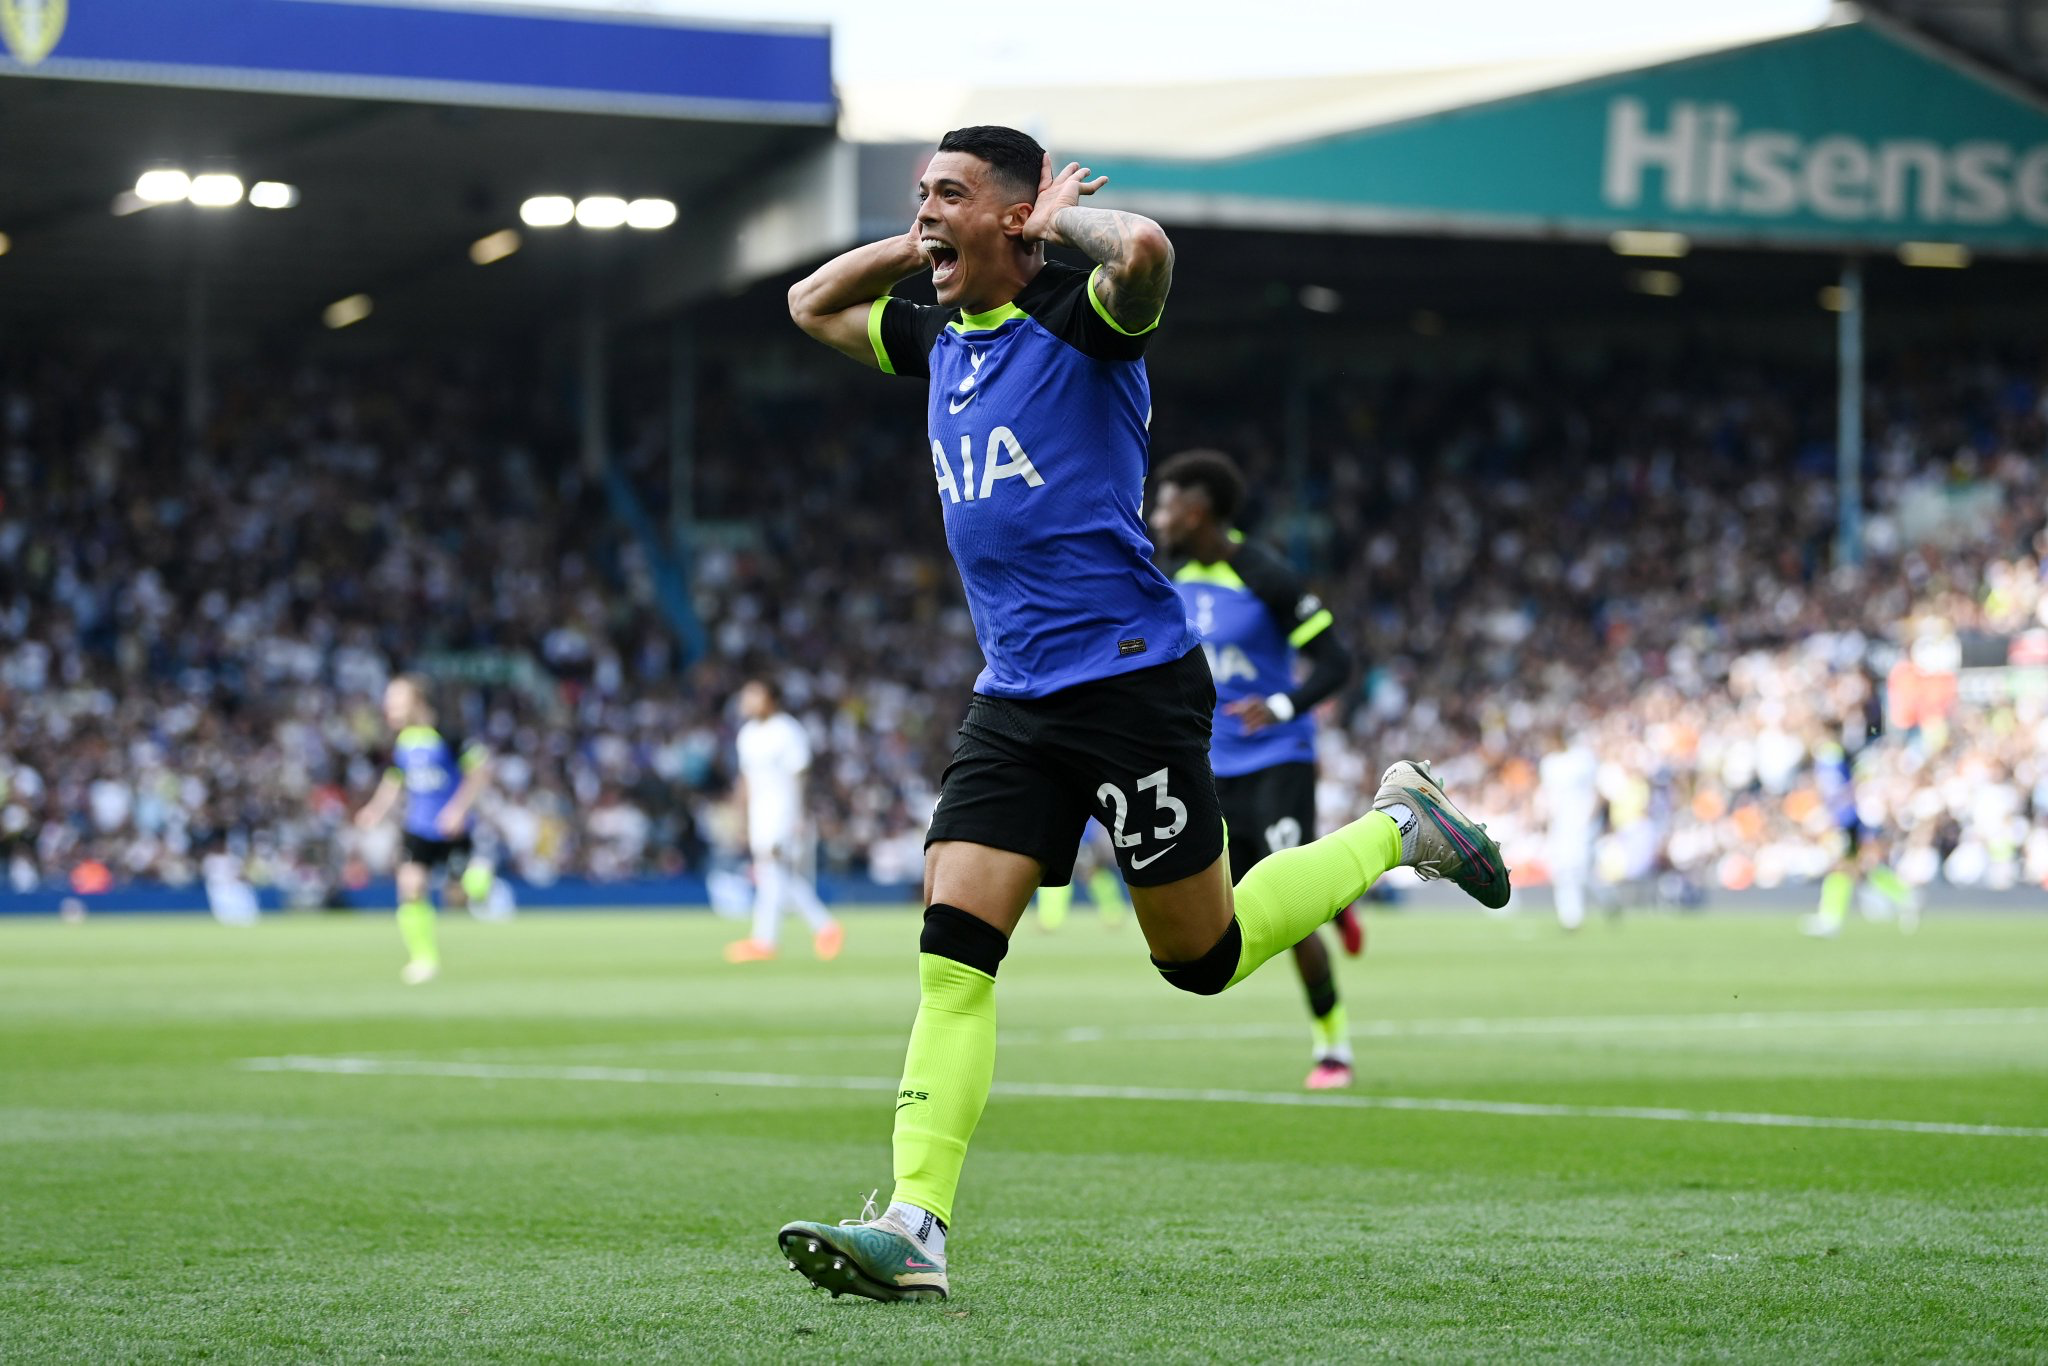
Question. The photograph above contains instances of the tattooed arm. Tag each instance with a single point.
(832, 302)
(1136, 258)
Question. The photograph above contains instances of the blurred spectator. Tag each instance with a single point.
(191, 642)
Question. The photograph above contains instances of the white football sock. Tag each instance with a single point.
(924, 1226)
(769, 880)
(1403, 817)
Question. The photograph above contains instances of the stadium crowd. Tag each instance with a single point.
(193, 632)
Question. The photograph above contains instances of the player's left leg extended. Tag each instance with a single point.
(1204, 939)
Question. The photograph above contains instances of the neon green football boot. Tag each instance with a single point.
(1443, 842)
(877, 1258)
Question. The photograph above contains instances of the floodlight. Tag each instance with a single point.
(162, 186)
(273, 194)
(601, 211)
(1659, 284)
(651, 215)
(1935, 255)
(1321, 299)
(215, 190)
(1640, 243)
(346, 312)
(547, 211)
(496, 247)
(6, 244)
(1834, 298)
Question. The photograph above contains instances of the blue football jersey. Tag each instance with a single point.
(431, 766)
(1834, 774)
(1039, 449)
(1252, 614)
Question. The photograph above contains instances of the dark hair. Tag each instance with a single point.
(1214, 473)
(1015, 157)
(767, 685)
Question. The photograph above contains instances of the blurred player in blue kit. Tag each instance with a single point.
(439, 776)
(1859, 848)
(1257, 620)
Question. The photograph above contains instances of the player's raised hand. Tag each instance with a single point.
(1056, 192)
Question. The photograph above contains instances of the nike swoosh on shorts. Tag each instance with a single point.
(1138, 863)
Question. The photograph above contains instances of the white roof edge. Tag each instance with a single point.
(603, 12)
(1232, 118)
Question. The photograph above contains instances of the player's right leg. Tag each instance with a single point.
(416, 915)
(1004, 824)
(974, 897)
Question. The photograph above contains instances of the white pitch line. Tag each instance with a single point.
(485, 1071)
(1452, 1027)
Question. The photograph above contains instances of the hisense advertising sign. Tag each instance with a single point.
(1701, 159)
(1844, 136)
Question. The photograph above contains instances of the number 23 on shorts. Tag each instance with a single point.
(1169, 814)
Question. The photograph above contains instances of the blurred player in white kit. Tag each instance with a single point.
(774, 756)
(1569, 780)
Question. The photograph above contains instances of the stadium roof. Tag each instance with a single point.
(410, 131)
(1806, 139)
(1223, 118)
(2008, 35)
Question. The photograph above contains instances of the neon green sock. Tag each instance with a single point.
(946, 1076)
(1106, 889)
(1332, 1033)
(1890, 885)
(1835, 891)
(1291, 893)
(1053, 904)
(477, 881)
(416, 928)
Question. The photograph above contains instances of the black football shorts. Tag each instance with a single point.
(1268, 810)
(438, 856)
(1132, 751)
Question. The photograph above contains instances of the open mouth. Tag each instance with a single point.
(945, 259)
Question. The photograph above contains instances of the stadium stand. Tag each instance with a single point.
(191, 641)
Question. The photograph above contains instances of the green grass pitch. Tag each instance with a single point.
(578, 1145)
